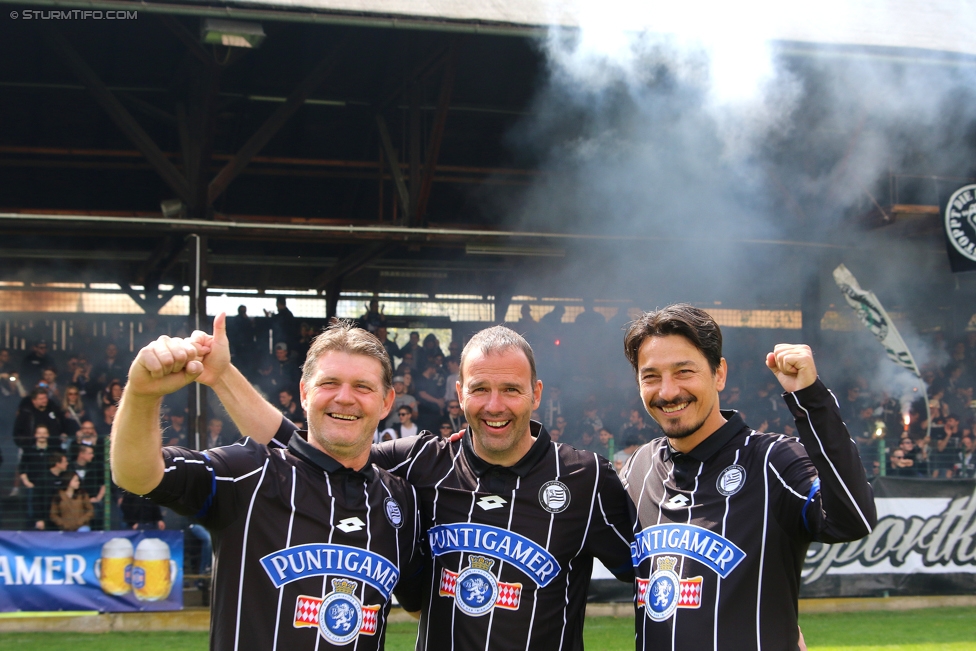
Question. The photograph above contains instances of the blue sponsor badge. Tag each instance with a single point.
(294, 563)
(707, 547)
(528, 556)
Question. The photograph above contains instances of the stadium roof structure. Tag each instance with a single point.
(371, 138)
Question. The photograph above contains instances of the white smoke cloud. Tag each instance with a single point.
(722, 49)
(708, 124)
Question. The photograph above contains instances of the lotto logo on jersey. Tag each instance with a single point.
(339, 616)
(476, 590)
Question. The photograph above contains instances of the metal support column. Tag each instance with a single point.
(197, 398)
(811, 308)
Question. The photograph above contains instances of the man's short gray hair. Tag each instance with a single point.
(497, 339)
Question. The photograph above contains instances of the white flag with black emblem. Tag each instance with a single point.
(875, 319)
(873, 316)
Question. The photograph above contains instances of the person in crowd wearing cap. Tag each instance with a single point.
(402, 399)
(285, 368)
(34, 362)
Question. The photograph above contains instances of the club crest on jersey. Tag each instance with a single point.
(661, 596)
(393, 512)
(476, 590)
(554, 496)
(339, 616)
(664, 591)
(731, 480)
(531, 558)
(691, 541)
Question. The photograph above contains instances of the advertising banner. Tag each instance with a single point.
(924, 543)
(107, 571)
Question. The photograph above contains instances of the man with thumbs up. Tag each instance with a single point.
(311, 539)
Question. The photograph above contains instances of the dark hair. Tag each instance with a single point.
(38, 391)
(54, 458)
(346, 337)
(67, 476)
(681, 319)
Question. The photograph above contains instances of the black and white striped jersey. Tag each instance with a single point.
(511, 547)
(723, 530)
(307, 552)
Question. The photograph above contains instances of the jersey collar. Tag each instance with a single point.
(301, 448)
(523, 465)
(707, 448)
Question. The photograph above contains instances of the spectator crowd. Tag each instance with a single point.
(58, 409)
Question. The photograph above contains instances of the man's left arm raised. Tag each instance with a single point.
(839, 502)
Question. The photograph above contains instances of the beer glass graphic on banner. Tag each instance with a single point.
(153, 573)
(114, 568)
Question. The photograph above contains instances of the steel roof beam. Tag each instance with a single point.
(122, 118)
(266, 131)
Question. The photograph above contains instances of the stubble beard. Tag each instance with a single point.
(673, 429)
(493, 444)
(336, 448)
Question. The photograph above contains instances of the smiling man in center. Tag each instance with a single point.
(513, 519)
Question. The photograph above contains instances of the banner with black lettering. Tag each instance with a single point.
(924, 543)
(960, 229)
(107, 571)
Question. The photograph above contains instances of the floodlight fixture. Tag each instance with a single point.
(173, 209)
(231, 33)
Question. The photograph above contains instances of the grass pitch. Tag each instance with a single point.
(931, 629)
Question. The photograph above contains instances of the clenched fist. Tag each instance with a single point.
(793, 366)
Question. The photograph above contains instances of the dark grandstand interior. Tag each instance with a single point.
(267, 151)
